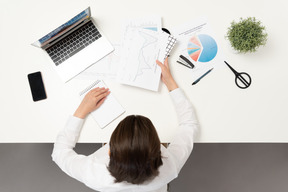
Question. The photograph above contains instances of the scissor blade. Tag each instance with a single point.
(234, 71)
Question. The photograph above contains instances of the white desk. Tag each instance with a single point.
(226, 113)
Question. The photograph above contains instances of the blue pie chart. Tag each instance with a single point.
(202, 48)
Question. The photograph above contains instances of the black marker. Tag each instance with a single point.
(202, 76)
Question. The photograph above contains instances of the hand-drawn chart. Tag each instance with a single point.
(140, 49)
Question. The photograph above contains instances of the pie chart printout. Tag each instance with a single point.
(202, 48)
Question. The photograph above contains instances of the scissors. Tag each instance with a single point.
(242, 80)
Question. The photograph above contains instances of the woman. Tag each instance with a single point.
(134, 160)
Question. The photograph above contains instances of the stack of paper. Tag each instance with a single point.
(133, 62)
(106, 68)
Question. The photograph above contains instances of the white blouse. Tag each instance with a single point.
(92, 170)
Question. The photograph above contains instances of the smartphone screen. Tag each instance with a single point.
(37, 86)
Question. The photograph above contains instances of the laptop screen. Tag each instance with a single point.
(63, 28)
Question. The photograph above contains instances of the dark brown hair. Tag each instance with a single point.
(135, 154)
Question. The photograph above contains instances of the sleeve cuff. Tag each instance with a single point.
(74, 123)
(177, 94)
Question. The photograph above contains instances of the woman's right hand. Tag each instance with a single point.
(166, 75)
(92, 101)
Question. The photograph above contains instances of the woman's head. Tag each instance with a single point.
(135, 154)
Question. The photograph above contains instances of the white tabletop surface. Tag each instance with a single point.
(226, 113)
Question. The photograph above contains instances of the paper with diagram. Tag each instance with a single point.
(198, 44)
(143, 43)
(106, 68)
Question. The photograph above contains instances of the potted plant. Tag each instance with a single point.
(246, 35)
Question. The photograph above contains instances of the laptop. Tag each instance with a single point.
(75, 45)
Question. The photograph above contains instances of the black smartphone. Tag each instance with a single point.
(37, 86)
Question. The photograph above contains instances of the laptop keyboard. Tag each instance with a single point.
(73, 43)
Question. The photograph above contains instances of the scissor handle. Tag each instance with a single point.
(243, 80)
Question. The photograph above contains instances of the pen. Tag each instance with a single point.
(202, 76)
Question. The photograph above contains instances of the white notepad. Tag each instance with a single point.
(108, 111)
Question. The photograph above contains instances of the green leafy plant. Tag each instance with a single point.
(246, 35)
